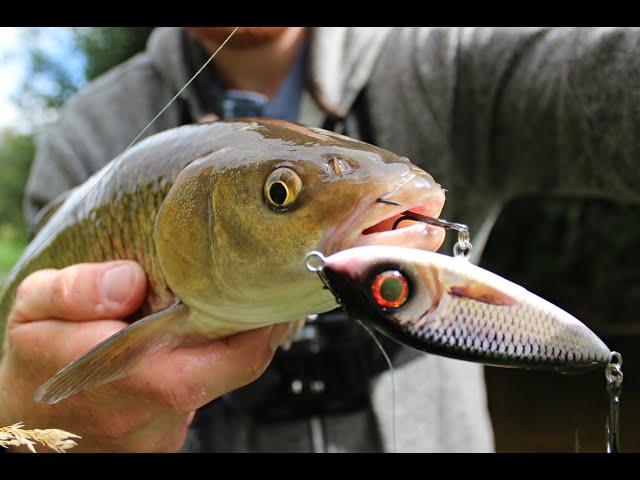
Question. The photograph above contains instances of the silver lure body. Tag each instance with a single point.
(457, 309)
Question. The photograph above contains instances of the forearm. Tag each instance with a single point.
(560, 113)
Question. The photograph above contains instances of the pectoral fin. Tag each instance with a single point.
(112, 358)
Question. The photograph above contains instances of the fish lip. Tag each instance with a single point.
(421, 208)
(414, 236)
(431, 204)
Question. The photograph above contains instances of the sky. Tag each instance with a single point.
(11, 72)
(56, 41)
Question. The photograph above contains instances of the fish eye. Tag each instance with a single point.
(390, 289)
(282, 187)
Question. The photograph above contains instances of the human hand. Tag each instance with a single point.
(59, 315)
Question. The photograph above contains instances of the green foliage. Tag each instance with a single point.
(11, 246)
(16, 153)
(52, 78)
(105, 47)
(48, 84)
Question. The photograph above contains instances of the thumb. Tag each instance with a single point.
(86, 291)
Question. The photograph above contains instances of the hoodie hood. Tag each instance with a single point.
(340, 62)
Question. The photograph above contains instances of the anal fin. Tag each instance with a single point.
(113, 357)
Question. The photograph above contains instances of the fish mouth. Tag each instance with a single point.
(372, 224)
(408, 234)
(386, 225)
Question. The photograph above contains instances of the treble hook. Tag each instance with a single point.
(463, 246)
(438, 222)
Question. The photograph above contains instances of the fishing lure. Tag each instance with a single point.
(447, 306)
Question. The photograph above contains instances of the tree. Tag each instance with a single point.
(16, 153)
(60, 61)
(54, 74)
(105, 47)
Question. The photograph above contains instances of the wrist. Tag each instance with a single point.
(9, 400)
(6, 417)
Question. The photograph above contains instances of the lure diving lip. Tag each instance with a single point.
(448, 306)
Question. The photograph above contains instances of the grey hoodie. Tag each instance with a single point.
(491, 113)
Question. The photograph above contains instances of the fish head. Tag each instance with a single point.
(447, 306)
(281, 191)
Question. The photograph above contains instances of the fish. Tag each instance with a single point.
(447, 306)
(220, 216)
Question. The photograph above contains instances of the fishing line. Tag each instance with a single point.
(118, 159)
(182, 89)
(393, 383)
(314, 262)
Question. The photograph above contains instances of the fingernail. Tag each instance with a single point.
(116, 283)
(277, 334)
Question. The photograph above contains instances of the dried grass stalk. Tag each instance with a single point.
(57, 440)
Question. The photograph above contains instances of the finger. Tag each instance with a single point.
(47, 346)
(86, 291)
(188, 378)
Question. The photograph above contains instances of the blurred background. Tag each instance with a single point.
(583, 255)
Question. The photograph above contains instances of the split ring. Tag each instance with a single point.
(314, 261)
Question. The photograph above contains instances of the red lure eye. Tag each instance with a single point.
(390, 289)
